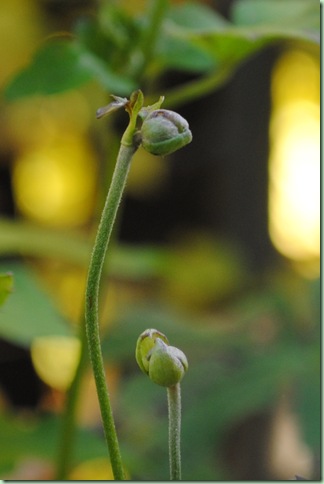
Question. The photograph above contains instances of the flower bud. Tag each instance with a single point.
(164, 132)
(164, 364)
(144, 345)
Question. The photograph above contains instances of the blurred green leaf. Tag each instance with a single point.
(193, 37)
(101, 72)
(179, 54)
(29, 312)
(198, 336)
(62, 65)
(301, 14)
(28, 239)
(226, 396)
(307, 401)
(254, 382)
(195, 16)
(257, 23)
(55, 67)
(38, 437)
(6, 286)
(120, 32)
(235, 371)
(234, 45)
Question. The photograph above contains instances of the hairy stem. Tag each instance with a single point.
(125, 155)
(174, 405)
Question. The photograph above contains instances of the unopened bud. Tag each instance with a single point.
(164, 364)
(164, 132)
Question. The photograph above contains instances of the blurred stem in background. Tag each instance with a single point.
(66, 441)
(150, 35)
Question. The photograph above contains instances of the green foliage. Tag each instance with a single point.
(308, 405)
(233, 374)
(6, 286)
(38, 437)
(60, 66)
(175, 50)
(303, 17)
(27, 239)
(120, 51)
(242, 356)
(237, 367)
(29, 312)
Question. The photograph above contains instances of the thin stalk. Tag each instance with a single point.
(118, 182)
(174, 406)
(150, 35)
(192, 90)
(69, 417)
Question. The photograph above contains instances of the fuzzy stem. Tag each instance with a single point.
(174, 405)
(126, 152)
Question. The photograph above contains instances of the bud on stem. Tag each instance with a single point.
(164, 132)
(164, 364)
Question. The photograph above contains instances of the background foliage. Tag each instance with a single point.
(251, 336)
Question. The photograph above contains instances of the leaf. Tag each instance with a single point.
(62, 65)
(29, 312)
(277, 20)
(6, 286)
(100, 71)
(180, 53)
(225, 43)
(196, 16)
(226, 398)
(305, 14)
(39, 437)
(309, 410)
(25, 238)
(118, 103)
(307, 401)
(55, 68)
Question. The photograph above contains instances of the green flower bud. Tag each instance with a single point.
(164, 132)
(164, 364)
(167, 364)
(144, 345)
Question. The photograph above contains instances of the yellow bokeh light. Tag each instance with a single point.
(55, 182)
(21, 30)
(294, 165)
(55, 359)
(92, 470)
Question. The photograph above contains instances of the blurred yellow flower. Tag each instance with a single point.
(55, 359)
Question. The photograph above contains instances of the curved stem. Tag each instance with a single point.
(125, 155)
(174, 405)
(195, 89)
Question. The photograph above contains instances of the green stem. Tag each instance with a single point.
(69, 417)
(195, 89)
(150, 35)
(126, 152)
(174, 405)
